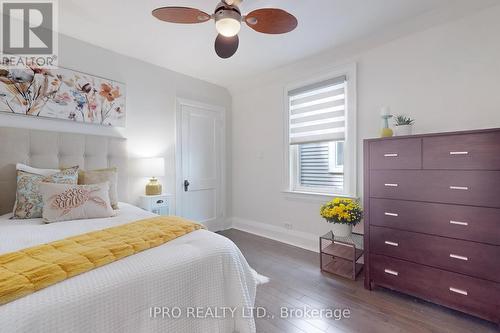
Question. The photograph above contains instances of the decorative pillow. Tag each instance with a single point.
(28, 198)
(62, 202)
(37, 171)
(100, 176)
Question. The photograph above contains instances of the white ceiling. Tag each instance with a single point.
(127, 27)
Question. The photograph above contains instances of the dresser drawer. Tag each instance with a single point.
(474, 188)
(465, 257)
(479, 151)
(471, 295)
(396, 154)
(463, 222)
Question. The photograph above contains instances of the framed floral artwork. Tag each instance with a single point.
(62, 94)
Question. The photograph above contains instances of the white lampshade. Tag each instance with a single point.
(151, 167)
(228, 26)
(385, 111)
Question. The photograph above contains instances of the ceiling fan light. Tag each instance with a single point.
(228, 26)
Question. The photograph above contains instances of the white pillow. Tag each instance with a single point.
(62, 202)
(36, 171)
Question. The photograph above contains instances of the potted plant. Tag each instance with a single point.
(403, 125)
(344, 212)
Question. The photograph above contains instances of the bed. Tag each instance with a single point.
(201, 270)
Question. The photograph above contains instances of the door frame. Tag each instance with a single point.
(179, 187)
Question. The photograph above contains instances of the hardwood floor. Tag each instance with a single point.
(296, 282)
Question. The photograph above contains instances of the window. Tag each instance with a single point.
(336, 157)
(321, 139)
(320, 165)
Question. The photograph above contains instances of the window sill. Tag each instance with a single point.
(314, 196)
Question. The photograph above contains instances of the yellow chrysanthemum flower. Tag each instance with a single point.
(342, 210)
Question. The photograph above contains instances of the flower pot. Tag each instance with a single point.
(342, 230)
(403, 130)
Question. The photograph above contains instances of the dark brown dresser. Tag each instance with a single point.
(432, 218)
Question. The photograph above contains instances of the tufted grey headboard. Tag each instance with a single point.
(47, 149)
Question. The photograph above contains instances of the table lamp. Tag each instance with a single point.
(385, 113)
(152, 167)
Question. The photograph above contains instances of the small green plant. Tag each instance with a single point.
(403, 120)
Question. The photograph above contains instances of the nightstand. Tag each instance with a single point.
(158, 204)
(340, 255)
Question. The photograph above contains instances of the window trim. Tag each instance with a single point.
(290, 172)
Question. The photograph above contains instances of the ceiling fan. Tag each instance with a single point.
(228, 18)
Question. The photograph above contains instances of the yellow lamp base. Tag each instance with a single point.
(153, 187)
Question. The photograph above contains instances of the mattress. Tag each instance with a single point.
(181, 286)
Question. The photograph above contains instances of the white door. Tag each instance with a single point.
(200, 178)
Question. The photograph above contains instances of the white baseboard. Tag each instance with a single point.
(300, 239)
(218, 225)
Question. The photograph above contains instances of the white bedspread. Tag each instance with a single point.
(201, 269)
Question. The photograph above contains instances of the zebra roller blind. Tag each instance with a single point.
(317, 112)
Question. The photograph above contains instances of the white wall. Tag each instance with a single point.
(151, 93)
(447, 77)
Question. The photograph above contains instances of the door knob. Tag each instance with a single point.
(186, 185)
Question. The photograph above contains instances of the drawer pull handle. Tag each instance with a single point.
(391, 243)
(459, 153)
(391, 214)
(389, 271)
(391, 185)
(462, 188)
(456, 256)
(459, 223)
(391, 155)
(458, 291)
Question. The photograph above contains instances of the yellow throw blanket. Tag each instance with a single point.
(26, 271)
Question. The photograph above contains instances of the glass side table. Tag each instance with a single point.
(340, 255)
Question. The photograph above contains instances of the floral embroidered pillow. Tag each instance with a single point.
(62, 202)
(28, 198)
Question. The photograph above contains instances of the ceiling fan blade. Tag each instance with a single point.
(271, 21)
(226, 47)
(184, 15)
